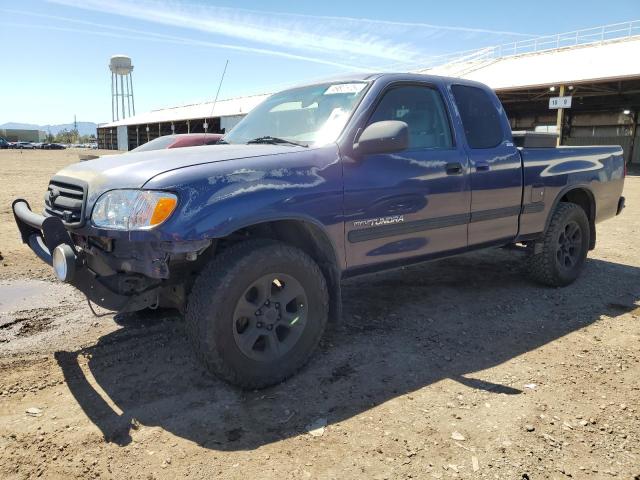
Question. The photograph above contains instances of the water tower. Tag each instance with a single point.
(121, 68)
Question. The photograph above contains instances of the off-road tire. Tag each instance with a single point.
(218, 288)
(544, 266)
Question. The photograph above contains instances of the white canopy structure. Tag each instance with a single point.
(609, 60)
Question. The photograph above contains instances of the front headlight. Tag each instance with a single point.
(133, 209)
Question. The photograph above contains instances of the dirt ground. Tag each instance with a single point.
(25, 174)
(460, 368)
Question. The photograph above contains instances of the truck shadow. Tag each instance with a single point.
(402, 331)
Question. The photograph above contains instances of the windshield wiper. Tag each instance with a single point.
(275, 141)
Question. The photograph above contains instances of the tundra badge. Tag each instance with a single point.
(376, 222)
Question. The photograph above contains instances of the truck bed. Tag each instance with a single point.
(549, 172)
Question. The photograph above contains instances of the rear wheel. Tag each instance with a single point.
(257, 312)
(564, 247)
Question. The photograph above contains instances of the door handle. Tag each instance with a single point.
(482, 167)
(454, 168)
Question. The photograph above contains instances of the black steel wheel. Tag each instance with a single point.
(270, 317)
(564, 247)
(257, 312)
(569, 247)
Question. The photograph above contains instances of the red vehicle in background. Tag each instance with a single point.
(179, 141)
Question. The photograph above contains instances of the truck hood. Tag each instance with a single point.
(133, 170)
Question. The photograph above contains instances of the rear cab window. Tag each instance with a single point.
(480, 117)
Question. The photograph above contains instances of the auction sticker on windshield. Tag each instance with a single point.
(344, 88)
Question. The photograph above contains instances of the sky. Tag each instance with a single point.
(56, 52)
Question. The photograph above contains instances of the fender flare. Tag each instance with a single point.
(332, 269)
(592, 218)
(250, 222)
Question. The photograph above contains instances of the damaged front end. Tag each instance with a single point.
(115, 273)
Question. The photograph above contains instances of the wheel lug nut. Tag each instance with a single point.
(258, 313)
(267, 303)
(269, 327)
(259, 324)
(277, 305)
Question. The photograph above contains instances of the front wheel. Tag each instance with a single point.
(564, 247)
(257, 312)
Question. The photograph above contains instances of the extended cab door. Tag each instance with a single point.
(496, 170)
(411, 203)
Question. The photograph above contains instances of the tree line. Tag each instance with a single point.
(69, 136)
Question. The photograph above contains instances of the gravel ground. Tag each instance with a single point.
(460, 368)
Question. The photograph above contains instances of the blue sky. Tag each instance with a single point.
(56, 52)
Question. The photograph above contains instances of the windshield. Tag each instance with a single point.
(156, 144)
(313, 115)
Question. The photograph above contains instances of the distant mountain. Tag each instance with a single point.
(84, 128)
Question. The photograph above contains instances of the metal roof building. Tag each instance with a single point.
(22, 135)
(130, 132)
(596, 67)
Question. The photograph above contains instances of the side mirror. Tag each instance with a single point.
(388, 136)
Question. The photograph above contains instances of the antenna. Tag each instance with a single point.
(217, 93)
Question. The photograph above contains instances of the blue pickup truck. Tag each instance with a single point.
(250, 238)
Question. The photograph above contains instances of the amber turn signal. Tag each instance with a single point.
(164, 207)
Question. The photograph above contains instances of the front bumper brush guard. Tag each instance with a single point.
(33, 227)
(44, 234)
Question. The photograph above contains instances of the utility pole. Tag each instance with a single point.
(634, 145)
(560, 118)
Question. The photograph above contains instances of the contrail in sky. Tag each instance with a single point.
(134, 34)
(346, 38)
